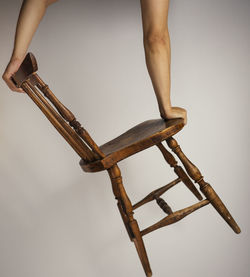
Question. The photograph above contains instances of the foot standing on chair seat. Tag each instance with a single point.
(175, 112)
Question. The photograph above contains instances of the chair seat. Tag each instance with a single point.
(136, 139)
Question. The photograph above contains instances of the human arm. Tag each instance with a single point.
(31, 14)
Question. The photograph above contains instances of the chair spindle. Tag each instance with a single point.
(68, 116)
(164, 205)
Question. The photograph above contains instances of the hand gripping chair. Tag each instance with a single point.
(95, 158)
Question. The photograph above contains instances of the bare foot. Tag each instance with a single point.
(175, 112)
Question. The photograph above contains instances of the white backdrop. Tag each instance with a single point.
(56, 220)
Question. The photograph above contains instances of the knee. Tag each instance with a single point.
(154, 39)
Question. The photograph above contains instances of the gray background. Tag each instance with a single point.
(56, 220)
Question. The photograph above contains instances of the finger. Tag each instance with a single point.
(15, 88)
(20, 90)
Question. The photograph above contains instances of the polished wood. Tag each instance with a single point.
(68, 116)
(28, 66)
(142, 136)
(127, 216)
(79, 139)
(206, 188)
(85, 153)
(96, 158)
(178, 170)
(174, 217)
(136, 139)
(163, 205)
(217, 203)
(54, 121)
(156, 193)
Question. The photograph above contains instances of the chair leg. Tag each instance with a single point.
(169, 158)
(126, 210)
(205, 188)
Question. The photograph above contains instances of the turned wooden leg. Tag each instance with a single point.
(126, 210)
(205, 188)
(169, 158)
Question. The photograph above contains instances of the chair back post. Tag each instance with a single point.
(61, 118)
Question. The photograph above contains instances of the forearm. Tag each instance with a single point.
(31, 13)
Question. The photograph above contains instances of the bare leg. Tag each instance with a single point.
(158, 54)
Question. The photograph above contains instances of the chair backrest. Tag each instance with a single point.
(61, 118)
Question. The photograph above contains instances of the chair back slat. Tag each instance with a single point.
(61, 118)
(84, 151)
(52, 119)
(68, 115)
(64, 112)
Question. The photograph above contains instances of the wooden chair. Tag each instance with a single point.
(95, 158)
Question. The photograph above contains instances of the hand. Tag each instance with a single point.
(12, 68)
(175, 112)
